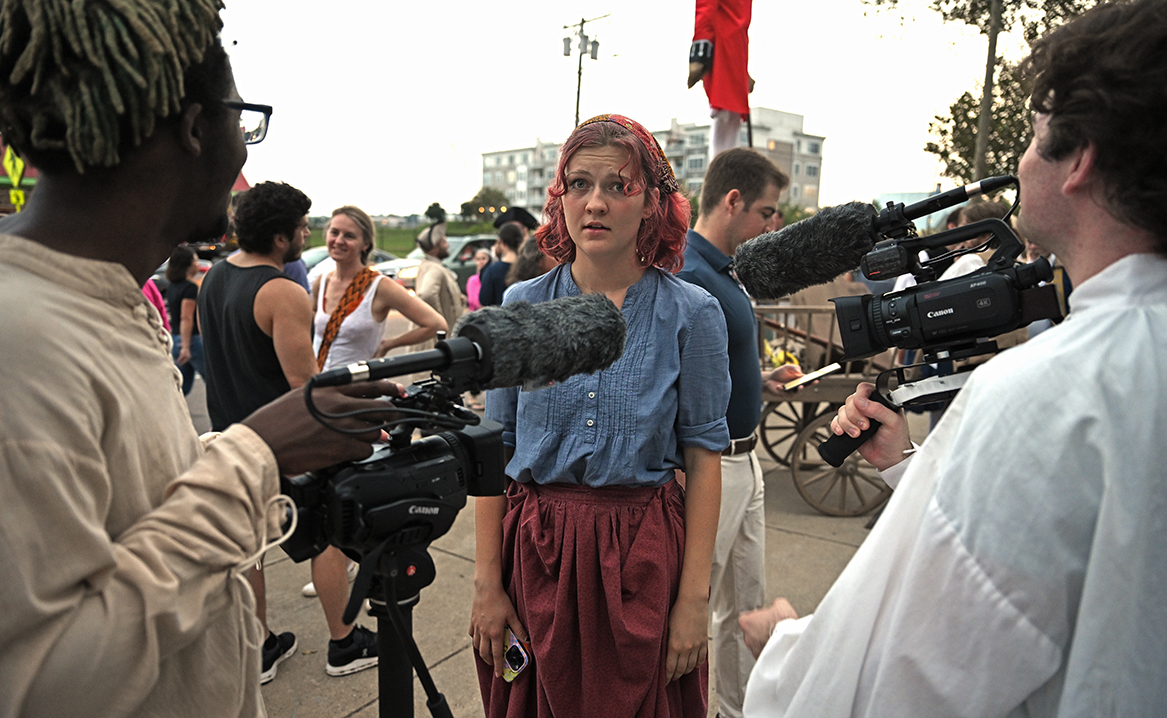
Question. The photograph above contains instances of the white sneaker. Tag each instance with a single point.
(309, 589)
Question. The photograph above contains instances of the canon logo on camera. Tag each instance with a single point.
(428, 510)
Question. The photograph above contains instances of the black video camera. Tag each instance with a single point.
(952, 319)
(407, 493)
(946, 319)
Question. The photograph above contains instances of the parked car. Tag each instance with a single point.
(215, 248)
(460, 261)
(160, 280)
(316, 255)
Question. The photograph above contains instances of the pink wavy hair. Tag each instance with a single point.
(661, 238)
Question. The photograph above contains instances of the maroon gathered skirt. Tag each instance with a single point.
(593, 574)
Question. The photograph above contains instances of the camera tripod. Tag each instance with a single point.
(400, 574)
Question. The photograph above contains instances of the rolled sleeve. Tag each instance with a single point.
(703, 382)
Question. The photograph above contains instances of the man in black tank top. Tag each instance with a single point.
(255, 322)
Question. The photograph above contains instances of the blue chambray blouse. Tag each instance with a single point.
(626, 425)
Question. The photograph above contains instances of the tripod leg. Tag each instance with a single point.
(394, 671)
(399, 655)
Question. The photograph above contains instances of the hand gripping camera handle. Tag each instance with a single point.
(836, 449)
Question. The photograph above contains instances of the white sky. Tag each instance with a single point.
(389, 105)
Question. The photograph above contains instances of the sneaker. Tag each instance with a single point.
(309, 589)
(276, 652)
(360, 654)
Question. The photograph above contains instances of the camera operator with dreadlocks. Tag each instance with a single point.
(125, 538)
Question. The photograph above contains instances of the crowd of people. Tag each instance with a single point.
(1017, 569)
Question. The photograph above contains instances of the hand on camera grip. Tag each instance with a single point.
(837, 448)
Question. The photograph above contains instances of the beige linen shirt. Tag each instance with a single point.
(437, 287)
(123, 539)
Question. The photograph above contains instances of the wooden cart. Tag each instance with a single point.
(792, 428)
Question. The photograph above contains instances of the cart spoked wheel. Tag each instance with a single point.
(782, 422)
(853, 489)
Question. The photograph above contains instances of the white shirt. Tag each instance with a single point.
(1020, 568)
(962, 265)
(360, 334)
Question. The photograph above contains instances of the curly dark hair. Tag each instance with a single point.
(268, 209)
(1102, 80)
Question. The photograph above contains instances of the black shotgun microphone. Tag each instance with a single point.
(953, 197)
(813, 251)
(519, 344)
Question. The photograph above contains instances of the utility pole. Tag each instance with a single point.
(586, 46)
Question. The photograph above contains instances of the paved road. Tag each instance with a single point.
(805, 551)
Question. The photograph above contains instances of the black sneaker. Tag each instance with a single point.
(276, 652)
(360, 654)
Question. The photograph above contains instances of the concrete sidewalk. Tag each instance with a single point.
(805, 551)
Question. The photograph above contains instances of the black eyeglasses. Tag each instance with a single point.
(253, 120)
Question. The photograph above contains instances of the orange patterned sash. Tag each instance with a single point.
(348, 303)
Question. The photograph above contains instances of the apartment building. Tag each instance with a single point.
(523, 174)
(779, 135)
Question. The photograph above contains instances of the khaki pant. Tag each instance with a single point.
(738, 576)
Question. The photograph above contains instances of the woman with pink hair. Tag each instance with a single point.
(596, 560)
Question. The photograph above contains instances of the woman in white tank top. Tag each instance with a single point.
(359, 335)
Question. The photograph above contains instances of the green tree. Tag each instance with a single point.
(436, 213)
(1009, 133)
(792, 212)
(991, 17)
(487, 203)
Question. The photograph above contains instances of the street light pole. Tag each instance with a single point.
(592, 48)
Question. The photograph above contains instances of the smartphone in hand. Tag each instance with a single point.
(813, 376)
(516, 657)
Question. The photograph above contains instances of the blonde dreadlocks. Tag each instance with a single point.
(77, 74)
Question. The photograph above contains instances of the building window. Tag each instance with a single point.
(695, 164)
(811, 194)
(524, 160)
(696, 140)
(797, 169)
(694, 186)
(510, 159)
(793, 191)
(814, 148)
(812, 170)
(798, 145)
(511, 177)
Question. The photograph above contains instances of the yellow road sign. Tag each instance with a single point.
(16, 197)
(14, 166)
